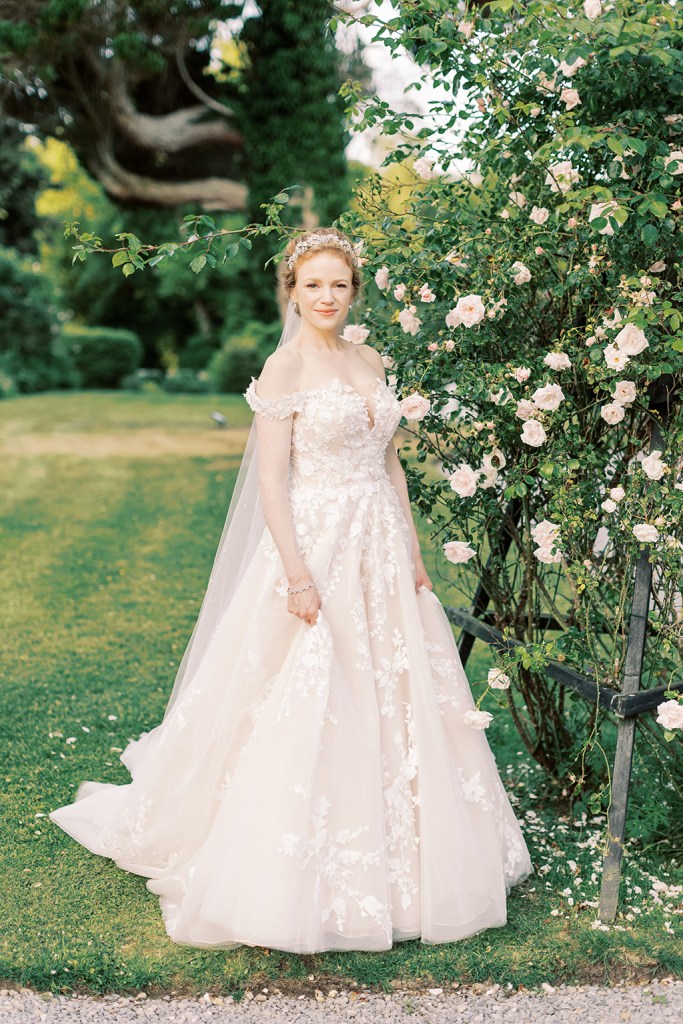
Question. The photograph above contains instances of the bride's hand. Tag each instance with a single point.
(305, 604)
(421, 577)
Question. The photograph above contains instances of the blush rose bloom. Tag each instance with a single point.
(561, 176)
(570, 98)
(653, 467)
(571, 69)
(631, 340)
(646, 533)
(675, 157)
(399, 292)
(521, 273)
(463, 481)
(539, 214)
(453, 318)
(557, 361)
(624, 392)
(612, 413)
(415, 406)
(608, 505)
(424, 168)
(615, 358)
(410, 323)
(497, 679)
(670, 714)
(458, 551)
(355, 333)
(518, 198)
(477, 719)
(426, 294)
(602, 210)
(470, 309)
(522, 373)
(592, 9)
(533, 433)
(382, 278)
(525, 410)
(617, 493)
(549, 397)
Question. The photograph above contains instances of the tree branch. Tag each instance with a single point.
(170, 133)
(209, 193)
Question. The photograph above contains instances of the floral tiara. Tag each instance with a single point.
(317, 241)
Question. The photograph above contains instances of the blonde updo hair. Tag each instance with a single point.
(287, 275)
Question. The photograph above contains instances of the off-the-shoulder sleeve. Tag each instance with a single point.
(272, 408)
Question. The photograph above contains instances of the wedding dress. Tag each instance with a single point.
(316, 787)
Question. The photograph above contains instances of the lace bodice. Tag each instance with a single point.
(338, 437)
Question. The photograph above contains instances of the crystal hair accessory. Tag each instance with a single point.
(316, 241)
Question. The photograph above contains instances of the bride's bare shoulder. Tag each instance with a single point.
(280, 375)
(372, 358)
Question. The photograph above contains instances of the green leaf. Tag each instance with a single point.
(198, 263)
(281, 198)
(122, 256)
(649, 234)
(658, 208)
(128, 269)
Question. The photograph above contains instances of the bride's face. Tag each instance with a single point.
(323, 289)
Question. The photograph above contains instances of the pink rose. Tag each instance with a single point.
(525, 409)
(612, 413)
(670, 714)
(624, 392)
(539, 214)
(653, 467)
(470, 309)
(355, 333)
(458, 551)
(521, 273)
(617, 493)
(409, 322)
(631, 340)
(464, 481)
(522, 373)
(382, 278)
(426, 294)
(497, 679)
(646, 533)
(557, 361)
(615, 358)
(570, 98)
(432, 347)
(453, 318)
(533, 433)
(399, 292)
(548, 397)
(415, 406)
(477, 719)
(449, 345)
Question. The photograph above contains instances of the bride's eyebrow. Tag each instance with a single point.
(335, 280)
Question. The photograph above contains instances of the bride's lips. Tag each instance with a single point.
(326, 312)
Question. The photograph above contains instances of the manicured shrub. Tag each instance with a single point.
(103, 356)
(242, 356)
(28, 327)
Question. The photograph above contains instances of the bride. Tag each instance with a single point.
(316, 782)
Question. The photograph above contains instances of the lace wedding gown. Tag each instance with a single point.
(316, 787)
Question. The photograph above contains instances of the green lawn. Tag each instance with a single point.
(111, 506)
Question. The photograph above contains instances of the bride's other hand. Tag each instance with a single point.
(421, 577)
(305, 605)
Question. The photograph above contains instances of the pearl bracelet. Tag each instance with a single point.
(300, 589)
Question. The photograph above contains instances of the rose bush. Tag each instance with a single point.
(529, 305)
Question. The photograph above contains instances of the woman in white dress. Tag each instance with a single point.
(315, 783)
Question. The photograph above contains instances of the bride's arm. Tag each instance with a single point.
(278, 378)
(398, 478)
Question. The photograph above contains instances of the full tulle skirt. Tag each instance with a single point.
(317, 787)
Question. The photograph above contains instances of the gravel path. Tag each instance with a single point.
(657, 1002)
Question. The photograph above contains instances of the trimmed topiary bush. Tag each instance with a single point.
(242, 356)
(28, 327)
(103, 356)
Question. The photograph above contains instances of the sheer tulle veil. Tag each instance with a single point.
(244, 524)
